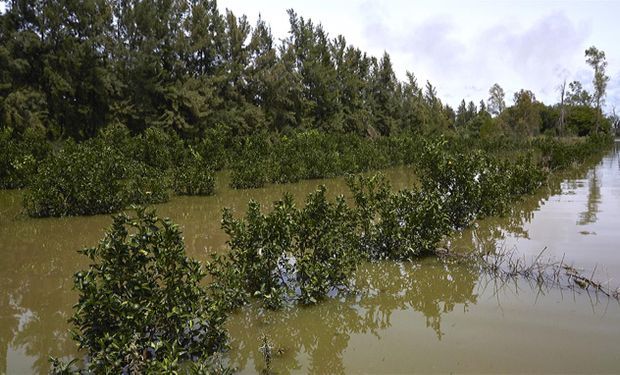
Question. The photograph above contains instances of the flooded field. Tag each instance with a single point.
(425, 316)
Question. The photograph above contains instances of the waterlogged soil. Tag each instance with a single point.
(424, 316)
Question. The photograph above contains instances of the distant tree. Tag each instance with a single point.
(471, 110)
(496, 103)
(525, 113)
(562, 89)
(596, 59)
(384, 96)
(439, 117)
(461, 115)
(577, 95)
(414, 112)
(353, 71)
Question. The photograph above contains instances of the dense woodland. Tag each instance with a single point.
(71, 68)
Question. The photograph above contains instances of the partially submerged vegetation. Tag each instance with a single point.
(142, 308)
(114, 170)
(142, 304)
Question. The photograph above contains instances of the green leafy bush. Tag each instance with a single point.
(78, 180)
(396, 225)
(20, 156)
(473, 185)
(144, 184)
(250, 170)
(142, 307)
(560, 154)
(325, 246)
(95, 177)
(194, 176)
(289, 253)
(158, 149)
(456, 177)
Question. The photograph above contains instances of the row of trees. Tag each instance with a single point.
(578, 111)
(71, 68)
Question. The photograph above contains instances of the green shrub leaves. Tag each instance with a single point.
(142, 307)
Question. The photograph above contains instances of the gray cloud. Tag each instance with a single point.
(535, 57)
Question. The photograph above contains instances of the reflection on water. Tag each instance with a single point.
(422, 316)
(575, 217)
(594, 198)
(432, 315)
(322, 333)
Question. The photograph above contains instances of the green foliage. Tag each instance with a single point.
(473, 185)
(194, 176)
(144, 185)
(158, 149)
(325, 246)
(20, 156)
(249, 170)
(557, 154)
(214, 146)
(313, 154)
(142, 308)
(582, 121)
(103, 175)
(396, 225)
(259, 251)
(289, 253)
(523, 176)
(80, 179)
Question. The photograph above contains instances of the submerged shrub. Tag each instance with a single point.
(249, 174)
(158, 149)
(456, 177)
(325, 250)
(313, 154)
(142, 307)
(260, 251)
(524, 176)
(145, 184)
(92, 178)
(289, 253)
(20, 156)
(474, 185)
(559, 153)
(194, 176)
(399, 225)
(78, 180)
(250, 169)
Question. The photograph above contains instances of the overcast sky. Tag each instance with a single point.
(463, 47)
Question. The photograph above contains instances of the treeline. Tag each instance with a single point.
(72, 68)
(145, 307)
(69, 69)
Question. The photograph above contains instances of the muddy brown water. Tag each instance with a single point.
(424, 316)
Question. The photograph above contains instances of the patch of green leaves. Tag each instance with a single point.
(142, 307)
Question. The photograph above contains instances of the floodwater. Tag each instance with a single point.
(423, 316)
